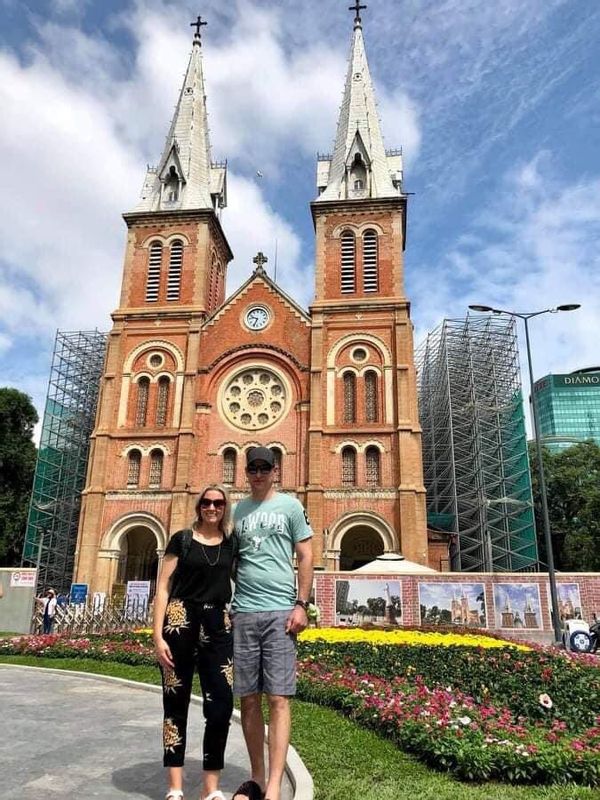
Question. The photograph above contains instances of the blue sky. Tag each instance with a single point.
(496, 105)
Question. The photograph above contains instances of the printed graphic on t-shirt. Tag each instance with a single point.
(259, 526)
(267, 534)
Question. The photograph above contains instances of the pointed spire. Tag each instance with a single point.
(360, 167)
(185, 177)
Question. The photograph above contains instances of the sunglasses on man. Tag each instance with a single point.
(207, 503)
(263, 469)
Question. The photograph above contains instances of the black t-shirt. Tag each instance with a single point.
(204, 576)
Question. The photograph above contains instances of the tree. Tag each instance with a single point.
(17, 466)
(573, 488)
(376, 606)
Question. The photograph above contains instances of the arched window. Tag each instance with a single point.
(348, 466)
(162, 401)
(349, 397)
(156, 469)
(229, 459)
(373, 466)
(141, 409)
(370, 255)
(175, 265)
(155, 254)
(278, 456)
(348, 264)
(134, 461)
(371, 410)
(214, 284)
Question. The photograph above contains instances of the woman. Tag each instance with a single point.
(192, 629)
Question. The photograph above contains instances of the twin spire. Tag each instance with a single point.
(360, 166)
(186, 178)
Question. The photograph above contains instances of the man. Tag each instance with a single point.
(48, 604)
(267, 616)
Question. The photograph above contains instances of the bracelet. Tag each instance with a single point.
(302, 603)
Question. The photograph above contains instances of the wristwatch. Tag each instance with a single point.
(302, 603)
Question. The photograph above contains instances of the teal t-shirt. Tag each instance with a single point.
(266, 534)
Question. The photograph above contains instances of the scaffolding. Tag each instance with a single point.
(475, 459)
(60, 471)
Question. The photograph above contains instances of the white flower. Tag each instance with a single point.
(464, 720)
(545, 700)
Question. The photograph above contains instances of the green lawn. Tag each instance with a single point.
(347, 762)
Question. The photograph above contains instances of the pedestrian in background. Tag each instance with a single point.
(48, 603)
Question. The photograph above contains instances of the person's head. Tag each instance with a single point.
(213, 506)
(260, 470)
(50, 593)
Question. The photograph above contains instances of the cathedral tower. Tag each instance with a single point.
(365, 488)
(175, 265)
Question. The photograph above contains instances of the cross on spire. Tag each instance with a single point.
(260, 260)
(198, 24)
(357, 8)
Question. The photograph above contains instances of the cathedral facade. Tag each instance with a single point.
(193, 378)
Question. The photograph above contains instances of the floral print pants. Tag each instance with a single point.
(200, 638)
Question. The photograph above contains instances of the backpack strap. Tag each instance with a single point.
(186, 545)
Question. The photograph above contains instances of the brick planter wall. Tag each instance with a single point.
(535, 625)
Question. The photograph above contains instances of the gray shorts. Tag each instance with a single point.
(264, 655)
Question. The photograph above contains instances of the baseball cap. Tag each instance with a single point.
(260, 454)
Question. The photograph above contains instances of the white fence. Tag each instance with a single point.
(98, 616)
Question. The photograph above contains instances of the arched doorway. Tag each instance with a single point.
(360, 545)
(138, 559)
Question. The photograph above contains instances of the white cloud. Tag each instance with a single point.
(251, 225)
(400, 121)
(535, 248)
(66, 175)
(5, 343)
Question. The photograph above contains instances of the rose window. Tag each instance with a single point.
(254, 399)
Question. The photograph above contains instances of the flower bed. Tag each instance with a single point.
(125, 648)
(509, 676)
(450, 731)
(468, 703)
(444, 637)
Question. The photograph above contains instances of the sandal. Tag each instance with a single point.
(174, 794)
(218, 795)
(249, 789)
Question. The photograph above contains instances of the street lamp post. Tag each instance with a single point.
(538, 446)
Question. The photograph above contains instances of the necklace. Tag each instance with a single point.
(205, 554)
(208, 561)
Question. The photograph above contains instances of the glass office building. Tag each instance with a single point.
(569, 408)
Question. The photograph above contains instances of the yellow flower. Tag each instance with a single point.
(404, 637)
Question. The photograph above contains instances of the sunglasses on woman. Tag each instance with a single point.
(207, 503)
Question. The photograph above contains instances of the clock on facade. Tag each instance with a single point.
(256, 318)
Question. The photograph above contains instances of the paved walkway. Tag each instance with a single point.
(75, 737)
